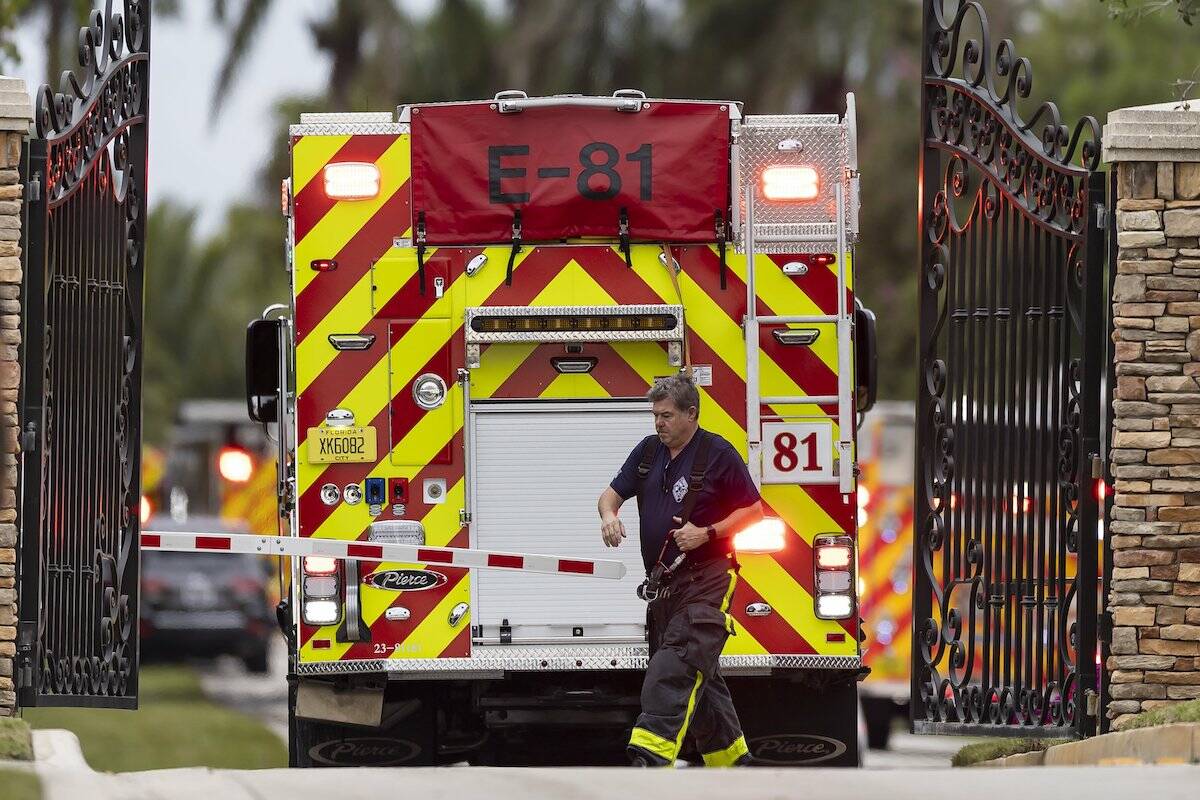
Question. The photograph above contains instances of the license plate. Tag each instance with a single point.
(341, 445)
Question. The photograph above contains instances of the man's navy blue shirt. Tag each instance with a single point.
(727, 487)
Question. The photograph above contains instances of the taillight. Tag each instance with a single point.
(765, 536)
(833, 582)
(153, 586)
(789, 183)
(244, 587)
(235, 464)
(320, 565)
(320, 602)
(351, 180)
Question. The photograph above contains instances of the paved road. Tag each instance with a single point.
(265, 696)
(431, 783)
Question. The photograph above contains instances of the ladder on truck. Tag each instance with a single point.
(844, 176)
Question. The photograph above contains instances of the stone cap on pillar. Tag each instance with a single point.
(15, 110)
(1158, 132)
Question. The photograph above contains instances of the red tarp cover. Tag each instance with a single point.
(472, 167)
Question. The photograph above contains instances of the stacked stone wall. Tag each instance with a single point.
(1155, 452)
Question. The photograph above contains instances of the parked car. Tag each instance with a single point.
(204, 604)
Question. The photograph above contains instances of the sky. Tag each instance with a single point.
(202, 165)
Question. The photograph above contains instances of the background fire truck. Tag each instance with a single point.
(885, 528)
(482, 294)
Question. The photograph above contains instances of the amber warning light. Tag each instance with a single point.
(789, 183)
(235, 464)
(764, 536)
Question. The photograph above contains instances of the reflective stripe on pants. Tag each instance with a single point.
(683, 691)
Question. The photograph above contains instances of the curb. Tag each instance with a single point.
(58, 749)
(1164, 744)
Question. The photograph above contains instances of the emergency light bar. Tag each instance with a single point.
(633, 323)
(351, 180)
(575, 322)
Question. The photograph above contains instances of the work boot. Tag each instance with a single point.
(637, 758)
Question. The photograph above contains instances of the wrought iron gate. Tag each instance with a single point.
(85, 213)
(1012, 326)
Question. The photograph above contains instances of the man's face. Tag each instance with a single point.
(673, 426)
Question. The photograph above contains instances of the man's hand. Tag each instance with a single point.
(612, 530)
(687, 537)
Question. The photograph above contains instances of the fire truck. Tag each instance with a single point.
(483, 293)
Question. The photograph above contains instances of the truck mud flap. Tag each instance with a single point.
(405, 736)
(794, 724)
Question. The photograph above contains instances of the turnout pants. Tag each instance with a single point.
(684, 692)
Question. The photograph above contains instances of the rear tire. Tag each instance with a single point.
(257, 662)
(879, 712)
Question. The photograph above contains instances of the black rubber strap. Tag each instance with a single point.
(421, 250)
(623, 234)
(721, 235)
(516, 247)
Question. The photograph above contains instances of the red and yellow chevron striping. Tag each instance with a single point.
(376, 290)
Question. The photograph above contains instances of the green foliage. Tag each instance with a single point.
(15, 744)
(175, 726)
(1166, 715)
(1185, 10)
(20, 784)
(990, 749)
(776, 57)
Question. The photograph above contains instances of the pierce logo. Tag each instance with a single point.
(795, 748)
(364, 752)
(406, 580)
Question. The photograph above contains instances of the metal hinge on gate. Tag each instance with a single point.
(33, 189)
(29, 437)
(1097, 466)
(1102, 217)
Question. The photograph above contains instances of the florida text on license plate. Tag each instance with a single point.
(329, 445)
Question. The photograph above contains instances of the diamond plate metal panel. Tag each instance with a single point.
(348, 128)
(518, 658)
(821, 141)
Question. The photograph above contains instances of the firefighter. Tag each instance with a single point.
(694, 492)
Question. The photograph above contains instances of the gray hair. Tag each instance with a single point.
(679, 388)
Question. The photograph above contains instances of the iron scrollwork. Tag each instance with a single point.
(1005, 209)
(88, 231)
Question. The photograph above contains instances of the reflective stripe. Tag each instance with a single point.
(687, 715)
(726, 757)
(664, 748)
(653, 743)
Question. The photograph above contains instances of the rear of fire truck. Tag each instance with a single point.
(483, 294)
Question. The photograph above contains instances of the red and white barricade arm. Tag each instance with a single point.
(189, 542)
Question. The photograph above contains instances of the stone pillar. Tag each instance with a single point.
(15, 115)
(1155, 525)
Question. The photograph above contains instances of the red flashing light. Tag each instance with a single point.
(323, 265)
(235, 464)
(146, 509)
(1101, 490)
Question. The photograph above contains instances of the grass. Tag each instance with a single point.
(1180, 712)
(999, 748)
(175, 726)
(15, 744)
(19, 784)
